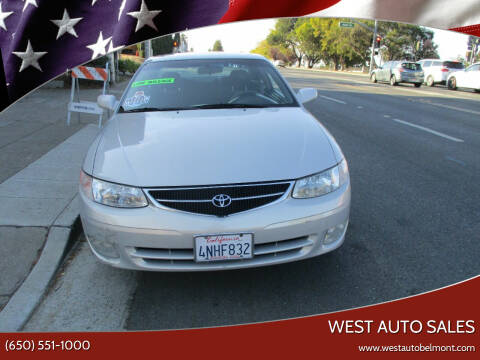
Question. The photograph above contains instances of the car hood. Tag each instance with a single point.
(221, 146)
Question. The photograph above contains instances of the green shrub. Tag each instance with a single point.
(128, 66)
(100, 62)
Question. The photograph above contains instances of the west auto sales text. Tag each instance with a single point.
(402, 326)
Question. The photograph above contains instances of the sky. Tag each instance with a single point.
(244, 36)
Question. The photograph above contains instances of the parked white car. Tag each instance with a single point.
(468, 78)
(436, 71)
(211, 162)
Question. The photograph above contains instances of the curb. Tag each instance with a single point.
(338, 72)
(23, 303)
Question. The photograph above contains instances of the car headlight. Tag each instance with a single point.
(321, 183)
(110, 194)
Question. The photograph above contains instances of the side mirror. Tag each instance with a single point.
(107, 101)
(306, 94)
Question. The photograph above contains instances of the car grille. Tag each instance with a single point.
(199, 199)
(263, 253)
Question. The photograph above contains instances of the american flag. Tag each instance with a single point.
(41, 39)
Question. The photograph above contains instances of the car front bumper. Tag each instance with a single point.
(157, 239)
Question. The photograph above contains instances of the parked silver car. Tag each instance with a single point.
(211, 162)
(396, 72)
(436, 71)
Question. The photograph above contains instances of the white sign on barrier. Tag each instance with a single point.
(89, 107)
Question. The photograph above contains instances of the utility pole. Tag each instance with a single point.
(474, 50)
(111, 59)
(148, 49)
(373, 48)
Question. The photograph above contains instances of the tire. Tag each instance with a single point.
(417, 85)
(452, 83)
(373, 78)
(430, 81)
(393, 80)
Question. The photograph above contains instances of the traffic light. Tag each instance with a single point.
(377, 40)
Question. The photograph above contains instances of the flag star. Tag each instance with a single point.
(31, 2)
(112, 49)
(144, 17)
(99, 47)
(29, 57)
(66, 24)
(122, 7)
(3, 16)
(94, 1)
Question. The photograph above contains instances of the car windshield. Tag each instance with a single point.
(453, 65)
(412, 66)
(206, 84)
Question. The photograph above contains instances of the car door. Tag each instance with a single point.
(383, 71)
(471, 77)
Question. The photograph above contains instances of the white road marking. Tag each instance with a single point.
(429, 130)
(455, 160)
(387, 116)
(359, 107)
(332, 99)
(455, 108)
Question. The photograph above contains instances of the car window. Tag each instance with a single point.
(426, 63)
(208, 83)
(436, 63)
(473, 68)
(453, 65)
(412, 66)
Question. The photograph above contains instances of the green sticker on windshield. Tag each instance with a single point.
(153, 82)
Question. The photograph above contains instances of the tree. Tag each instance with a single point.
(405, 41)
(162, 45)
(338, 45)
(284, 36)
(274, 52)
(309, 41)
(217, 46)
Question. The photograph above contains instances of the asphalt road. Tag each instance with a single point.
(414, 225)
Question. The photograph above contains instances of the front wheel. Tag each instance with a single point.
(452, 83)
(418, 85)
(430, 81)
(393, 80)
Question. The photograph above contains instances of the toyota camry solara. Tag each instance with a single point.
(211, 162)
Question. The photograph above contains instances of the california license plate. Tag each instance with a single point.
(223, 247)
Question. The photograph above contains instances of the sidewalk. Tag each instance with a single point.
(40, 160)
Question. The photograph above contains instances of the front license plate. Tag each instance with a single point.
(223, 247)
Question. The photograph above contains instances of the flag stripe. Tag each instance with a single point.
(90, 73)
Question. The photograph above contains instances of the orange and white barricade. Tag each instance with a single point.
(89, 107)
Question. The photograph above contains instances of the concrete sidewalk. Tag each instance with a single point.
(40, 160)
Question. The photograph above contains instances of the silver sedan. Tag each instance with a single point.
(211, 162)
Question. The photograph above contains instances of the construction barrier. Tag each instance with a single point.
(89, 107)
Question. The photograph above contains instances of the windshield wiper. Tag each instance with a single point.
(195, 107)
(228, 106)
(145, 109)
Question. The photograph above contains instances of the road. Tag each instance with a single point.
(414, 226)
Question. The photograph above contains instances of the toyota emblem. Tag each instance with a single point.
(221, 200)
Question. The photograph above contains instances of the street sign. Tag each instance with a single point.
(346, 24)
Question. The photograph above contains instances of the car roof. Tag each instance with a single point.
(440, 60)
(206, 56)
